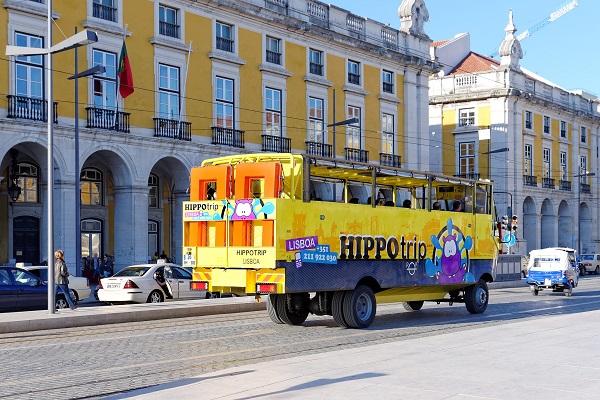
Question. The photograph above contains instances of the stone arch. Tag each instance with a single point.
(530, 223)
(565, 225)
(548, 224)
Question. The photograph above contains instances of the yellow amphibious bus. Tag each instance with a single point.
(332, 237)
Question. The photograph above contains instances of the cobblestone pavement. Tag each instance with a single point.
(96, 362)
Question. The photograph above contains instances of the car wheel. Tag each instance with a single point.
(76, 295)
(597, 270)
(476, 297)
(155, 297)
(61, 302)
(413, 305)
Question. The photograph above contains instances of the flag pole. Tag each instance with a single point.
(187, 68)
(119, 83)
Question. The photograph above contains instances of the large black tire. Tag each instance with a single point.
(337, 308)
(413, 305)
(272, 308)
(155, 297)
(477, 297)
(360, 307)
(60, 302)
(287, 315)
(597, 270)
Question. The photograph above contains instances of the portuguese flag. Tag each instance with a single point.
(124, 74)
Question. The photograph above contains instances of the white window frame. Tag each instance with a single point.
(107, 99)
(583, 169)
(316, 124)
(546, 159)
(467, 152)
(233, 33)
(354, 131)
(118, 4)
(466, 116)
(274, 108)
(528, 159)
(153, 191)
(387, 133)
(583, 134)
(274, 45)
(387, 77)
(563, 165)
(167, 94)
(563, 129)
(321, 63)
(528, 120)
(165, 9)
(224, 101)
(355, 68)
(547, 125)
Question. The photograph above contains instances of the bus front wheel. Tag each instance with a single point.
(476, 297)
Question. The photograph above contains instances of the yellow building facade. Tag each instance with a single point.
(210, 78)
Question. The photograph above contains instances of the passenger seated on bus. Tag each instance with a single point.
(210, 193)
(389, 203)
(353, 200)
(406, 203)
(436, 206)
(369, 201)
(457, 206)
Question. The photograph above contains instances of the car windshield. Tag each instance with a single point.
(132, 271)
(587, 257)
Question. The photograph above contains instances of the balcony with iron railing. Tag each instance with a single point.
(585, 188)
(225, 44)
(548, 183)
(227, 137)
(388, 87)
(106, 118)
(276, 144)
(273, 57)
(359, 155)
(168, 29)
(104, 12)
(469, 175)
(174, 129)
(564, 185)
(389, 160)
(530, 180)
(22, 107)
(318, 149)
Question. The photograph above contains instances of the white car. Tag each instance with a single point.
(136, 284)
(591, 263)
(78, 284)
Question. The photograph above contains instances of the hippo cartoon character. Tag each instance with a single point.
(243, 210)
(450, 267)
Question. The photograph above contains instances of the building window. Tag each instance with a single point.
(273, 55)
(387, 133)
(29, 81)
(563, 129)
(315, 120)
(546, 161)
(316, 62)
(583, 169)
(466, 117)
(105, 9)
(224, 37)
(153, 193)
(353, 130)
(167, 21)
(273, 111)
(388, 81)
(224, 103)
(91, 238)
(353, 72)
(466, 158)
(27, 180)
(91, 187)
(583, 134)
(546, 124)
(152, 239)
(528, 170)
(105, 85)
(528, 120)
(563, 165)
(168, 92)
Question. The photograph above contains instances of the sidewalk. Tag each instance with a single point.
(102, 315)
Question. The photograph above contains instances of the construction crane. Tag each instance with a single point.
(562, 10)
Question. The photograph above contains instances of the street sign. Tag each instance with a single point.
(509, 239)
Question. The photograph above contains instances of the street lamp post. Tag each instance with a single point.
(83, 38)
(579, 208)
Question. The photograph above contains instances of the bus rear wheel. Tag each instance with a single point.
(360, 307)
(272, 308)
(476, 297)
(292, 309)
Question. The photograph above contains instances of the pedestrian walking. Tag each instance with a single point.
(61, 276)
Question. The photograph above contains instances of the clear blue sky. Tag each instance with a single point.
(565, 52)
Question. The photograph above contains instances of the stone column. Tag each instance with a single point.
(64, 222)
(180, 197)
(131, 226)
